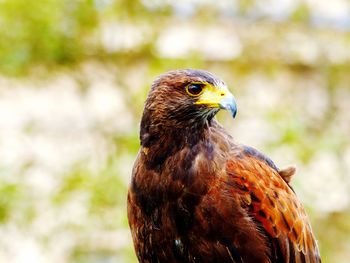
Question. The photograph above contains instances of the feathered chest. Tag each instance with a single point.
(190, 170)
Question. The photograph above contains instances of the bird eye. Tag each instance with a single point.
(194, 89)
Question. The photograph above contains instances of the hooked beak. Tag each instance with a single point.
(218, 97)
(228, 102)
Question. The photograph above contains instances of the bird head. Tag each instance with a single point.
(187, 97)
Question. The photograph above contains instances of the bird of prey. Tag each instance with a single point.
(196, 195)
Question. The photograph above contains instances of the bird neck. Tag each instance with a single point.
(155, 129)
(155, 133)
(162, 141)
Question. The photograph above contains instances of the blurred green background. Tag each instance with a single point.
(73, 79)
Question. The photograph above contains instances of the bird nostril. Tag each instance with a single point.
(222, 94)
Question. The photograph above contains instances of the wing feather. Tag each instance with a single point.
(272, 202)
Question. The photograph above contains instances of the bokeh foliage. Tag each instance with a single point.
(50, 32)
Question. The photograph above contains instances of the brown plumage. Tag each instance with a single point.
(198, 196)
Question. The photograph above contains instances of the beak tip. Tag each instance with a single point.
(229, 103)
(233, 111)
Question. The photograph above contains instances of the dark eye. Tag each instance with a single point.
(194, 89)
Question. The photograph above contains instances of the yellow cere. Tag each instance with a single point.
(212, 95)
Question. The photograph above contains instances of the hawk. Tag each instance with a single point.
(196, 195)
